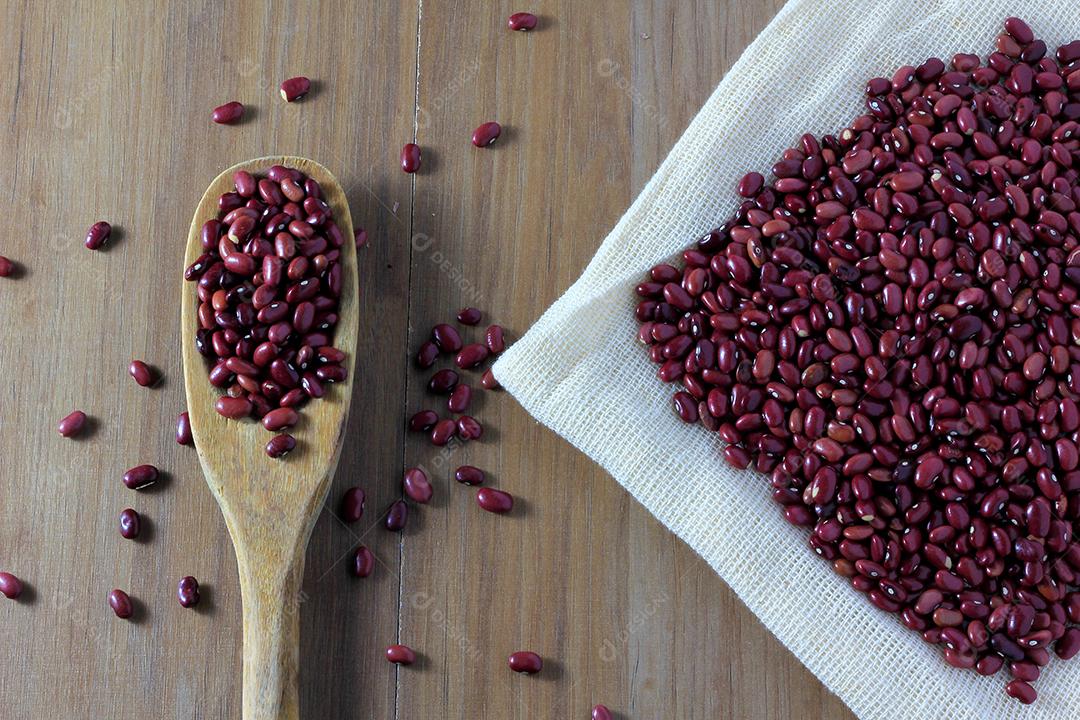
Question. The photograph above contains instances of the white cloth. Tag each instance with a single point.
(581, 371)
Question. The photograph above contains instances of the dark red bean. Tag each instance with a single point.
(446, 338)
(400, 655)
(443, 431)
(469, 316)
(427, 355)
(486, 134)
(423, 421)
(98, 234)
(469, 475)
(228, 113)
(187, 592)
(295, 88)
(489, 382)
(141, 476)
(7, 267)
(331, 373)
(600, 712)
(471, 356)
(183, 429)
(130, 524)
(142, 373)
(397, 516)
(528, 663)
(410, 157)
(468, 428)
(493, 337)
(443, 381)
(352, 504)
(459, 398)
(417, 486)
(11, 587)
(495, 501)
(751, 184)
(1021, 691)
(363, 562)
(234, 408)
(279, 419)
(280, 445)
(523, 21)
(121, 604)
(72, 424)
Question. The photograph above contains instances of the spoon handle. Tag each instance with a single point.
(270, 578)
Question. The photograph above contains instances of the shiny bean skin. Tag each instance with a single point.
(141, 476)
(417, 486)
(187, 592)
(11, 586)
(469, 475)
(130, 524)
(352, 504)
(280, 445)
(72, 424)
(363, 562)
(121, 604)
(494, 501)
(397, 516)
(526, 662)
(400, 655)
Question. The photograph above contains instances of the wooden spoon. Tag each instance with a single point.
(270, 506)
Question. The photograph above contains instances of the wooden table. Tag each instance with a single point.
(107, 109)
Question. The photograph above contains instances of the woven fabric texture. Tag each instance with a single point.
(580, 370)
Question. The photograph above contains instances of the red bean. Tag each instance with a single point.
(280, 445)
(352, 504)
(600, 712)
(486, 134)
(469, 475)
(397, 516)
(494, 339)
(283, 417)
(130, 524)
(121, 604)
(295, 88)
(446, 338)
(7, 267)
(183, 429)
(468, 428)
(228, 113)
(410, 157)
(417, 486)
(443, 381)
(495, 501)
(234, 408)
(1021, 691)
(400, 655)
(489, 382)
(528, 663)
(10, 586)
(363, 562)
(141, 476)
(471, 356)
(459, 398)
(522, 21)
(142, 373)
(98, 234)
(469, 316)
(427, 355)
(423, 421)
(72, 424)
(187, 591)
(360, 237)
(442, 432)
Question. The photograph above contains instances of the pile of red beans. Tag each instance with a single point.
(268, 282)
(890, 328)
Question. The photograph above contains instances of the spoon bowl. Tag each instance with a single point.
(270, 505)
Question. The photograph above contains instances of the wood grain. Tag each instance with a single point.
(107, 113)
